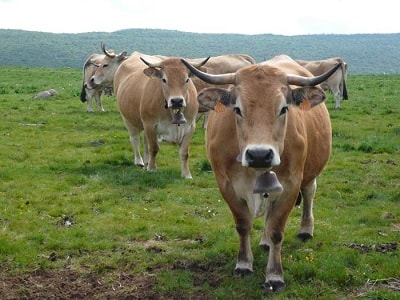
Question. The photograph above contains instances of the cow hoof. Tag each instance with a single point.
(273, 286)
(242, 272)
(304, 236)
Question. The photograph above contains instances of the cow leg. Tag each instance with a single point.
(184, 153)
(307, 218)
(277, 214)
(205, 121)
(89, 97)
(98, 100)
(336, 95)
(150, 134)
(244, 224)
(134, 137)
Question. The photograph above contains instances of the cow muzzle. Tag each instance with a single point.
(260, 157)
(88, 86)
(176, 102)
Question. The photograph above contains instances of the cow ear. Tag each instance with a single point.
(307, 97)
(122, 56)
(152, 72)
(215, 98)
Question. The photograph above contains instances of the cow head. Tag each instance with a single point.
(175, 79)
(260, 98)
(105, 71)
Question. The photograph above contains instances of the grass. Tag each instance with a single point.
(70, 196)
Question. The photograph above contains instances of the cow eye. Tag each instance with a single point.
(105, 65)
(237, 111)
(284, 110)
(187, 80)
(164, 80)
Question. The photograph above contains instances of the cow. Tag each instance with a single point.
(156, 95)
(104, 73)
(90, 91)
(222, 64)
(336, 83)
(268, 138)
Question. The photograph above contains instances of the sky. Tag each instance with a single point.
(281, 17)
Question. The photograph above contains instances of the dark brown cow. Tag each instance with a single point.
(268, 138)
(336, 83)
(156, 95)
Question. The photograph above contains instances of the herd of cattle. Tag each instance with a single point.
(268, 134)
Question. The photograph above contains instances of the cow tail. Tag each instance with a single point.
(344, 88)
(345, 96)
(83, 93)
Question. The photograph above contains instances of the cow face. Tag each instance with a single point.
(174, 80)
(104, 73)
(261, 107)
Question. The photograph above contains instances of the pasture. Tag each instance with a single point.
(79, 221)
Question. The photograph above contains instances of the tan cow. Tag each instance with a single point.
(336, 83)
(104, 74)
(90, 91)
(266, 144)
(156, 95)
(222, 64)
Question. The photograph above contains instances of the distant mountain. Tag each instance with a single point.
(364, 53)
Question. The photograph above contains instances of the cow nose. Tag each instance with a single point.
(259, 157)
(177, 102)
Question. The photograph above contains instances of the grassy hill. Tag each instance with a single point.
(365, 53)
(80, 221)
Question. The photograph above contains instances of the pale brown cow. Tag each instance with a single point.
(156, 95)
(90, 91)
(266, 144)
(104, 73)
(336, 83)
(227, 63)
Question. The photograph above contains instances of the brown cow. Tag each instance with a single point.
(156, 95)
(266, 144)
(336, 83)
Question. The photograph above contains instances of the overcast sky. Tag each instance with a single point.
(284, 17)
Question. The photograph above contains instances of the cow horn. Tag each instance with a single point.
(108, 53)
(151, 65)
(200, 64)
(228, 78)
(311, 81)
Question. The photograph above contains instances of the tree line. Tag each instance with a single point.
(364, 53)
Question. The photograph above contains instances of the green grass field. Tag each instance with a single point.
(79, 220)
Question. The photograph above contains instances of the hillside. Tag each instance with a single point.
(364, 53)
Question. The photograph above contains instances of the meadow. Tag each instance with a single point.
(79, 221)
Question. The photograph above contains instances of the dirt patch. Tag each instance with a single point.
(68, 284)
(72, 284)
(381, 248)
